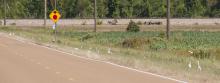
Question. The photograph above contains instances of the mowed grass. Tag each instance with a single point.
(148, 51)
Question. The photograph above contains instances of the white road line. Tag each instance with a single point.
(157, 75)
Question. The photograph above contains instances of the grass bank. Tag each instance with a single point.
(148, 51)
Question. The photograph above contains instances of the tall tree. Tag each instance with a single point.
(179, 9)
(195, 8)
(159, 7)
(113, 8)
(102, 8)
(35, 8)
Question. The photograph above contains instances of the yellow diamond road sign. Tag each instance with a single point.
(55, 16)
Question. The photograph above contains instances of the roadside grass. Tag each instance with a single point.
(148, 51)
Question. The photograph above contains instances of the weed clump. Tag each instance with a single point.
(13, 24)
(133, 27)
(99, 23)
(158, 43)
(134, 42)
(86, 37)
(202, 54)
(59, 41)
(84, 23)
(139, 23)
(161, 35)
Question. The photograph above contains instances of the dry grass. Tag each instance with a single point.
(170, 58)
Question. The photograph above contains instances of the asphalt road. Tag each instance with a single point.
(26, 63)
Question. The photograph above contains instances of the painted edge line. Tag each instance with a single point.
(157, 75)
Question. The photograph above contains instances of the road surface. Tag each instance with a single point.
(27, 63)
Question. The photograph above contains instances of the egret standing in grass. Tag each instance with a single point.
(199, 67)
(190, 65)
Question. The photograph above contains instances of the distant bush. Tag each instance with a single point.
(139, 23)
(99, 23)
(13, 24)
(113, 22)
(84, 23)
(133, 27)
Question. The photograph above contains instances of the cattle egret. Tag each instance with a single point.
(190, 65)
(109, 50)
(191, 52)
(199, 67)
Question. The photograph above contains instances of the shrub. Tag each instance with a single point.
(158, 43)
(139, 23)
(84, 23)
(113, 22)
(86, 37)
(202, 54)
(134, 42)
(99, 23)
(158, 46)
(13, 24)
(59, 41)
(133, 27)
(161, 35)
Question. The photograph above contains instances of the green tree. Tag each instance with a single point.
(159, 7)
(113, 8)
(124, 8)
(195, 8)
(35, 8)
(14, 8)
(102, 8)
(179, 9)
(143, 8)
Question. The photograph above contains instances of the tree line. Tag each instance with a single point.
(112, 8)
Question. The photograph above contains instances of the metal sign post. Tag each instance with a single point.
(55, 16)
(55, 25)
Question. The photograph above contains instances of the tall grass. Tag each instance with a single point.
(145, 49)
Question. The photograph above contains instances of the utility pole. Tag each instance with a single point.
(45, 13)
(5, 12)
(168, 20)
(95, 15)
